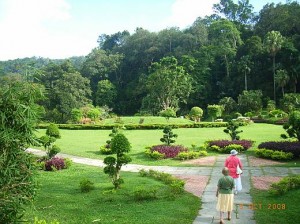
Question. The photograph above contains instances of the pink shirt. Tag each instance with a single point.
(231, 163)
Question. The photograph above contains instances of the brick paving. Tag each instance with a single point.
(264, 182)
(255, 161)
(194, 184)
(204, 161)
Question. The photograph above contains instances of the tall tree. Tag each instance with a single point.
(168, 83)
(273, 44)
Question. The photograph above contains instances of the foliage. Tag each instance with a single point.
(154, 154)
(86, 185)
(106, 149)
(285, 184)
(285, 146)
(119, 146)
(168, 136)
(94, 114)
(19, 114)
(53, 131)
(190, 155)
(214, 111)
(196, 114)
(250, 101)
(292, 127)
(55, 163)
(76, 115)
(167, 113)
(106, 93)
(168, 83)
(169, 151)
(176, 185)
(223, 143)
(231, 129)
(290, 102)
(273, 154)
(229, 105)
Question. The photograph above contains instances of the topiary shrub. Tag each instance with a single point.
(54, 163)
(231, 129)
(196, 114)
(106, 149)
(53, 131)
(168, 136)
(168, 113)
(119, 146)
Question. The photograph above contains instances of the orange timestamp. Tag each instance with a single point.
(257, 206)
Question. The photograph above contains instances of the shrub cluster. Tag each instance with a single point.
(273, 154)
(285, 185)
(169, 151)
(142, 193)
(176, 186)
(285, 146)
(246, 144)
(54, 163)
(190, 155)
(86, 185)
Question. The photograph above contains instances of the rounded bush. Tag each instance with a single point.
(54, 164)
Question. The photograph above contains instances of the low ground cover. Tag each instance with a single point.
(59, 197)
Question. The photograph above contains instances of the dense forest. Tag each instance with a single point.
(220, 59)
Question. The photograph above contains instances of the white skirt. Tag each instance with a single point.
(225, 202)
(238, 183)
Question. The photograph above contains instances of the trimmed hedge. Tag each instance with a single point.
(135, 126)
(273, 154)
(285, 146)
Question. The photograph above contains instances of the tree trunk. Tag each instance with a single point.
(246, 86)
(274, 85)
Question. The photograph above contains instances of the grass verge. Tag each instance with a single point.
(276, 209)
(59, 198)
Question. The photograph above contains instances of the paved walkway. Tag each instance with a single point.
(207, 214)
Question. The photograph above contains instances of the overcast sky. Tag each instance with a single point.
(59, 29)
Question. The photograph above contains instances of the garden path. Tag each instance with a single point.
(202, 181)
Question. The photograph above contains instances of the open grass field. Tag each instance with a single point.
(59, 197)
(276, 209)
(86, 143)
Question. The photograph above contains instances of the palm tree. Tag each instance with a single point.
(244, 67)
(282, 78)
(273, 43)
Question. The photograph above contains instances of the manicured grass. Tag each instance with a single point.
(276, 209)
(86, 143)
(59, 197)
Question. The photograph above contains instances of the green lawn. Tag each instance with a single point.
(276, 209)
(86, 143)
(59, 198)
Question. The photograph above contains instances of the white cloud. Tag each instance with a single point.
(185, 12)
(24, 31)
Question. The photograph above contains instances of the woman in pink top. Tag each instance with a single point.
(231, 163)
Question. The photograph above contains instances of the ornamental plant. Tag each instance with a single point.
(231, 129)
(106, 149)
(52, 134)
(120, 146)
(214, 111)
(169, 136)
(196, 114)
(168, 151)
(167, 113)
